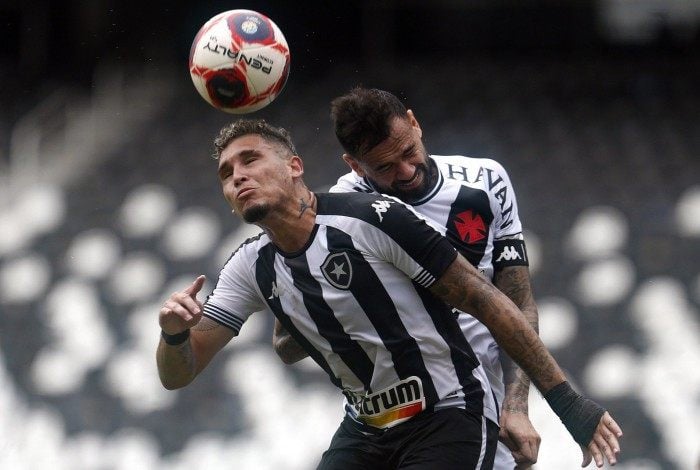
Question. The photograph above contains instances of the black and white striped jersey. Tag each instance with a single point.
(474, 205)
(356, 298)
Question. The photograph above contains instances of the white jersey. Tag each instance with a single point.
(473, 204)
(356, 298)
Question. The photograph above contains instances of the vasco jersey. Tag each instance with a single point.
(473, 204)
(356, 299)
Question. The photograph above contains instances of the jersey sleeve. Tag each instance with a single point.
(508, 244)
(413, 246)
(234, 297)
(506, 223)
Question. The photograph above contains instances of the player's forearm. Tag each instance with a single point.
(463, 287)
(514, 281)
(285, 346)
(176, 364)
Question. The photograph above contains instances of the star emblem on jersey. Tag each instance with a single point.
(337, 270)
(470, 226)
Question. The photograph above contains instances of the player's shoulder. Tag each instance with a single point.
(348, 203)
(249, 248)
(447, 161)
(351, 181)
(369, 207)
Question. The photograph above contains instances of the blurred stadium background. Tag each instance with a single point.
(109, 202)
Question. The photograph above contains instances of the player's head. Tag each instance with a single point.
(382, 141)
(258, 167)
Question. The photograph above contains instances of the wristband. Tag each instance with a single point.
(579, 414)
(174, 340)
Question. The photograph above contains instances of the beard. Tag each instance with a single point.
(256, 213)
(428, 172)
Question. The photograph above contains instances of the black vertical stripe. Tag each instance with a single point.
(265, 276)
(381, 312)
(349, 351)
(463, 358)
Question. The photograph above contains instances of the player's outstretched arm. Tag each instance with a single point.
(188, 341)
(285, 346)
(517, 431)
(463, 287)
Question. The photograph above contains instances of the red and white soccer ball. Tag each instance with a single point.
(239, 61)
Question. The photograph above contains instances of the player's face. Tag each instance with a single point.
(399, 165)
(254, 177)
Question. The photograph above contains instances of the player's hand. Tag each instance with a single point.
(604, 444)
(182, 310)
(521, 438)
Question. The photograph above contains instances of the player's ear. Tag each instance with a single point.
(296, 164)
(414, 122)
(354, 164)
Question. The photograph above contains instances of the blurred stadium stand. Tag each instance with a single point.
(109, 202)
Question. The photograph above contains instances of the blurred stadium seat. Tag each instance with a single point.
(603, 153)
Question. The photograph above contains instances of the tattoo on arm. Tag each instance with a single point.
(514, 281)
(463, 287)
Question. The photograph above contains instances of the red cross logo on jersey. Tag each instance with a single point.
(470, 226)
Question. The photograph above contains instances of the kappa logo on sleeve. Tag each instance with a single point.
(509, 253)
(380, 207)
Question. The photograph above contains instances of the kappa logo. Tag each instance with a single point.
(337, 270)
(509, 253)
(381, 207)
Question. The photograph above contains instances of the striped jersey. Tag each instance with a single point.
(356, 298)
(473, 204)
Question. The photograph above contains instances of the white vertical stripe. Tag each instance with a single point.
(484, 442)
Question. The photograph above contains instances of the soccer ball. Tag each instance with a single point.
(239, 61)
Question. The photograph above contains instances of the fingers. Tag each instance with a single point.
(504, 437)
(604, 445)
(196, 286)
(586, 457)
(612, 426)
(185, 308)
(521, 438)
(182, 310)
(605, 439)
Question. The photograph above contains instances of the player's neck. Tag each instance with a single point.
(290, 228)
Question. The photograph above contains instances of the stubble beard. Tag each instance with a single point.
(429, 174)
(255, 213)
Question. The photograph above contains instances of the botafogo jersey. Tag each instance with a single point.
(473, 204)
(356, 299)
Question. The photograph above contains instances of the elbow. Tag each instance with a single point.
(286, 352)
(173, 383)
(283, 354)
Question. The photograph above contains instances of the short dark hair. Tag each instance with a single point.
(243, 127)
(362, 118)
